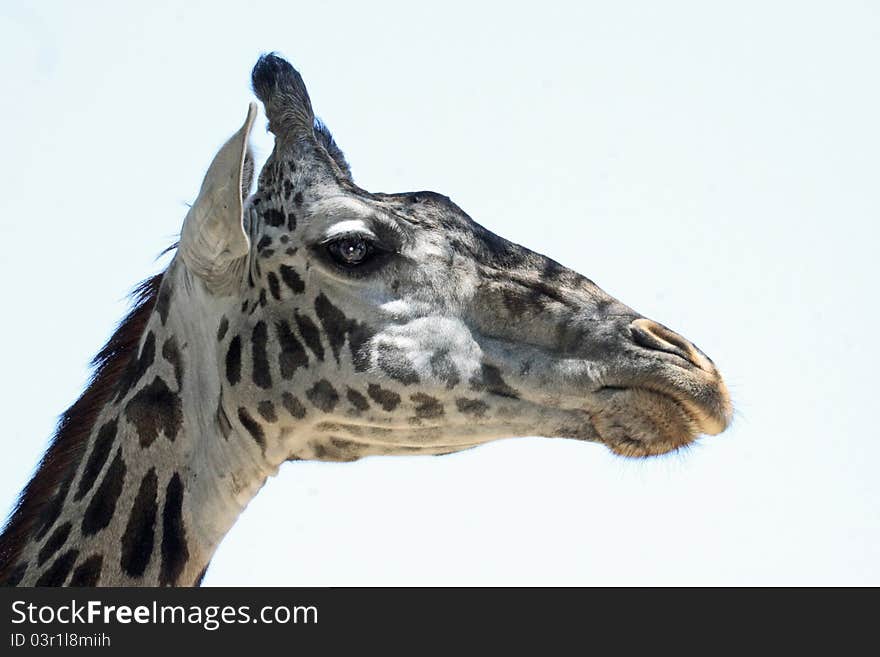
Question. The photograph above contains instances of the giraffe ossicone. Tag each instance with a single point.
(315, 320)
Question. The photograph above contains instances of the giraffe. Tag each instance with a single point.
(315, 320)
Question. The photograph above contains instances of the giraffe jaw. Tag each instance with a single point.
(640, 421)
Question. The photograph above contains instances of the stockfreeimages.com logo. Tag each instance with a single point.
(210, 617)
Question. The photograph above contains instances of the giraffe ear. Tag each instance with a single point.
(213, 243)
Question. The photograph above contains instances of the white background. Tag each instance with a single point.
(713, 165)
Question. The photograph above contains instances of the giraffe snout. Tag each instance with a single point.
(654, 336)
(696, 386)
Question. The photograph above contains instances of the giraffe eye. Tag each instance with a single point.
(350, 250)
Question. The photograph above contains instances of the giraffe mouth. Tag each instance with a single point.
(645, 420)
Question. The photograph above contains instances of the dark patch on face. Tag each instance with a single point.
(357, 400)
(498, 251)
(291, 221)
(58, 572)
(139, 536)
(155, 408)
(15, 575)
(221, 330)
(310, 334)
(298, 199)
(233, 361)
(489, 380)
(171, 353)
(336, 326)
(244, 304)
(338, 449)
(444, 369)
(292, 279)
(319, 450)
(292, 355)
(427, 407)
(273, 217)
(174, 550)
(53, 509)
(293, 406)
(265, 242)
(323, 396)
(259, 338)
(474, 407)
(519, 302)
(287, 186)
(88, 572)
(98, 457)
(267, 410)
(101, 508)
(557, 273)
(359, 336)
(163, 301)
(571, 336)
(55, 542)
(334, 322)
(137, 367)
(522, 295)
(291, 250)
(387, 399)
(395, 364)
(265, 253)
(252, 426)
(274, 285)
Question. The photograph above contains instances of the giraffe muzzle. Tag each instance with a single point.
(651, 335)
(690, 377)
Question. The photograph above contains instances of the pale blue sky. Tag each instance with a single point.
(713, 166)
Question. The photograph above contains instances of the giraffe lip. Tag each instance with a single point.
(635, 421)
(709, 414)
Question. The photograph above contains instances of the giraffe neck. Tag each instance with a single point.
(163, 475)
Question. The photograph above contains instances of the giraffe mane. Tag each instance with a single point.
(53, 475)
(322, 134)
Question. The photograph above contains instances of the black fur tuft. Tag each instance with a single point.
(283, 93)
(267, 71)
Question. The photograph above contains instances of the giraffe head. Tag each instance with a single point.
(348, 323)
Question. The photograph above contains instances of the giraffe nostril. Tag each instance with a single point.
(657, 337)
